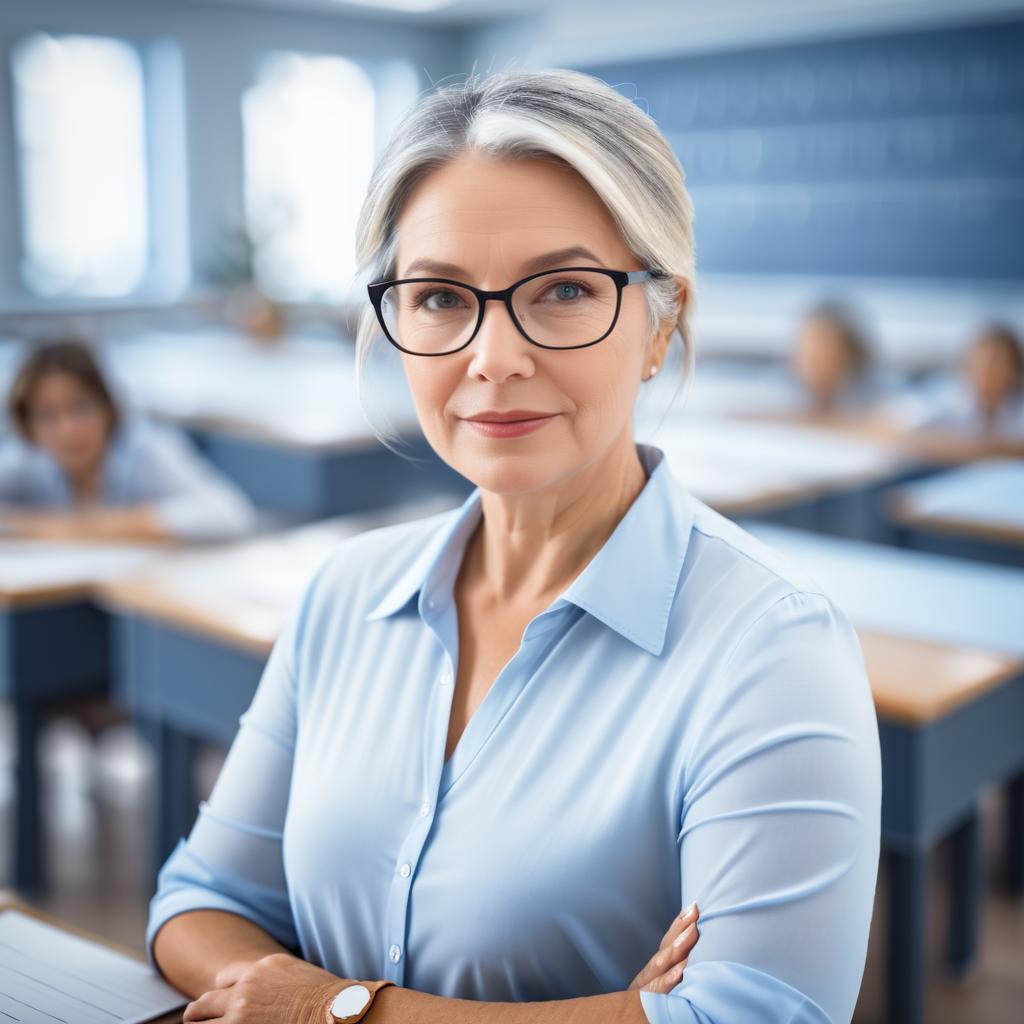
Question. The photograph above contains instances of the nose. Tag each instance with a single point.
(499, 351)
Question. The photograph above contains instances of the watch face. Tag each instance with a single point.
(350, 1001)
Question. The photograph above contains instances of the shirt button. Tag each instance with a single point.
(424, 810)
(405, 870)
(446, 677)
(395, 953)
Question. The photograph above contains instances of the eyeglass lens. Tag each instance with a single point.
(561, 309)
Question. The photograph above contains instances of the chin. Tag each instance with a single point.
(511, 473)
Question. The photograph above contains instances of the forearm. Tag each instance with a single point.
(135, 522)
(132, 523)
(191, 948)
(395, 1005)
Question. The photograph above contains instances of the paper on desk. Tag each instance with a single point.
(49, 976)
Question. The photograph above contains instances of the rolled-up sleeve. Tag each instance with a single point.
(779, 826)
(232, 859)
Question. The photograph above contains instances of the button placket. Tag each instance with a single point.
(397, 913)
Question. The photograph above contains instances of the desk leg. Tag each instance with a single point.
(1015, 834)
(965, 894)
(905, 983)
(176, 797)
(29, 845)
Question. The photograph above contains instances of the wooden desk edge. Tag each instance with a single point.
(137, 597)
(921, 710)
(41, 596)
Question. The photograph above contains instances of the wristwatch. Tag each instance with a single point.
(354, 1001)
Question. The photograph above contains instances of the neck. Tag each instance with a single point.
(529, 547)
(85, 482)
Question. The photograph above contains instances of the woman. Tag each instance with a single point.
(980, 414)
(77, 469)
(495, 751)
(832, 361)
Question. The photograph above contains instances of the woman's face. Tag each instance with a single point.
(822, 359)
(68, 422)
(992, 371)
(488, 218)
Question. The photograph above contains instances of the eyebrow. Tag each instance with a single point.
(551, 259)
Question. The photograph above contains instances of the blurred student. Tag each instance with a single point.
(833, 363)
(75, 467)
(979, 412)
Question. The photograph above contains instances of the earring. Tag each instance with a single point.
(654, 370)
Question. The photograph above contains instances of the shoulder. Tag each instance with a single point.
(21, 459)
(771, 646)
(14, 450)
(738, 598)
(722, 553)
(138, 434)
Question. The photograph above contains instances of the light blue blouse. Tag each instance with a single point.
(145, 463)
(690, 720)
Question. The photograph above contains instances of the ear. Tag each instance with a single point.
(661, 338)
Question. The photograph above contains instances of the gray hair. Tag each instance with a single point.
(561, 115)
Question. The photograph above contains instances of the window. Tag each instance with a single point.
(79, 107)
(309, 151)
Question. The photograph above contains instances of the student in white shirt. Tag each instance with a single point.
(980, 412)
(75, 467)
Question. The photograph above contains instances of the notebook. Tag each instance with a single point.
(49, 976)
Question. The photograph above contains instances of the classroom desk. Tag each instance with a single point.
(53, 647)
(798, 475)
(974, 511)
(944, 648)
(289, 429)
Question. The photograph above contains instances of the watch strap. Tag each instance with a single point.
(372, 987)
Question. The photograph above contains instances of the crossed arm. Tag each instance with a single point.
(232, 965)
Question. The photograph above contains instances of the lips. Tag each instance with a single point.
(510, 427)
(511, 416)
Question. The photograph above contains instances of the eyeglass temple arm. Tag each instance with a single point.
(633, 276)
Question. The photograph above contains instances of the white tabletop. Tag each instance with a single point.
(738, 465)
(988, 493)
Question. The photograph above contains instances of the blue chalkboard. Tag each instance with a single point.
(891, 155)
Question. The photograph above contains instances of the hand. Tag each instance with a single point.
(40, 525)
(665, 969)
(273, 989)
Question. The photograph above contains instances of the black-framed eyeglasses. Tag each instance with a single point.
(435, 316)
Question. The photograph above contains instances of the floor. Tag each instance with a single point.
(97, 799)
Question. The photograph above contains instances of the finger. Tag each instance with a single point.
(680, 922)
(662, 961)
(209, 1006)
(667, 981)
(677, 950)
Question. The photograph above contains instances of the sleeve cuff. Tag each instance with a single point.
(716, 992)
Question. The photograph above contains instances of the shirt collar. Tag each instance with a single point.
(630, 584)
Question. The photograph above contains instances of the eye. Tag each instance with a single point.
(567, 291)
(446, 300)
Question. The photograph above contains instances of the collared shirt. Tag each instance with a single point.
(145, 463)
(689, 721)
